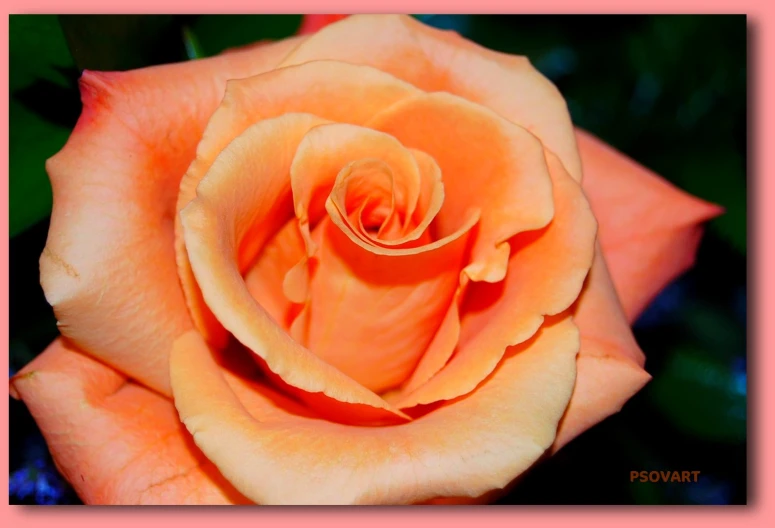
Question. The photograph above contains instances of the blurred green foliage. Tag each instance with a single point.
(32, 140)
(670, 91)
(38, 50)
(712, 404)
(217, 33)
(122, 42)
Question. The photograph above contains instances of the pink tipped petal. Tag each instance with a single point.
(649, 229)
(603, 385)
(109, 264)
(610, 363)
(313, 23)
(115, 441)
(600, 317)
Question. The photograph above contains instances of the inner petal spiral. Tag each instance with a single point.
(365, 194)
(244, 199)
(380, 284)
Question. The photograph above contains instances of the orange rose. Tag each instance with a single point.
(389, 220)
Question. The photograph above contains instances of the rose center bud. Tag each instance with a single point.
(366, 194)
(380, 284)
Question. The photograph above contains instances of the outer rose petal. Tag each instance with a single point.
(610, 363)
(435, 60)
(115, 441)
(312, 23)
(109, 264)
(649, 229)
(466, 448)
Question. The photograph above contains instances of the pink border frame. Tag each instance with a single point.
(761, 508)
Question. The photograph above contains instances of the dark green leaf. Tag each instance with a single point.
(32, 141)
(38, 50)
(702, 395)
(216, 33)
(123, 42)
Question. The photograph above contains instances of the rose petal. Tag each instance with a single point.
(312, 23)
(265, 278)
(115, 441)
(331, 90)
(440, 349)
(649, 229)
(466, 448)
(599, 313)
(373, 315)
(374, 309)
(603, 386)
(108, 266)
(243, 200)
(610, 363)
(486, 162)
(546, 273)
(328, 149)
(436, 60)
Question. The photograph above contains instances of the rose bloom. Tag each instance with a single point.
(374, 265)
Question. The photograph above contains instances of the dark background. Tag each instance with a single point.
(670, 91)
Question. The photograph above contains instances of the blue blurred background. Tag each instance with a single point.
(670, 91)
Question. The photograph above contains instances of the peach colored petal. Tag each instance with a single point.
(108, 267)
(440, 349)
(328, 149)
(446, 337)
(115, 441)
(407, 223)
(466, 448)
(374, 309)
(243, 200)
(436, 60)
(486, 162)
(374, 201)
(610, 363)
(265, 278)
(600, 317)
(603, 385)
(545, 275)
(373, 315)
(649, 229)
(312, 23)
(431, 196)
(331, 90)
